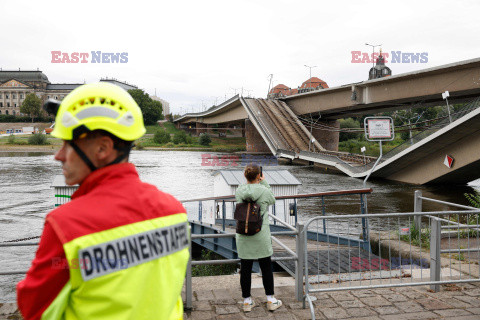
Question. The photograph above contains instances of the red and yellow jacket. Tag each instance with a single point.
(118, 250)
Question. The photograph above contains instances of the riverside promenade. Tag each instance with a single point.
(219, 298)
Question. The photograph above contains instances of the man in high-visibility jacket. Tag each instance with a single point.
(119, 249)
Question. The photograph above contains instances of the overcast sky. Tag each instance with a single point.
(196, 53)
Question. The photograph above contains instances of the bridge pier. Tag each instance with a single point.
(200, 128)
(327, 137)
(254, 140)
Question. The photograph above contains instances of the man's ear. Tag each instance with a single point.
(104, 148)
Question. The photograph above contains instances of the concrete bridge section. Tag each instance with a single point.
(425, 87)
(423, 161)
(461, 79)
(273, 126)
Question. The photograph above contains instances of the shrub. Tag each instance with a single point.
(38, 139)
(169, 145)
(161, 137)
(11, 139)
(180, 137)
(205, 139)
(139, 146)
(189, 139)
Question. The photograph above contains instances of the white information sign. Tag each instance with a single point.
(379, 128)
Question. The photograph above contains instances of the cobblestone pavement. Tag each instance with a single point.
(459, 302)
(452, 302)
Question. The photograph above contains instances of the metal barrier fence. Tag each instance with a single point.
(331, 251)
(291, 256)
(200, 211)
(408, 249)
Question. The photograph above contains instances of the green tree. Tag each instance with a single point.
(350, 123)
(31, 105)
(151, 109)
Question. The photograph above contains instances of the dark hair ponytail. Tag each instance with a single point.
(252, 170)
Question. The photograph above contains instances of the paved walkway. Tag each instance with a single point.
(452, 302)
(459, 302)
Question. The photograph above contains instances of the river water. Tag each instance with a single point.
(26, 196)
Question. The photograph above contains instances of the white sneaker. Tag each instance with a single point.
(247, 307)
(271, 306)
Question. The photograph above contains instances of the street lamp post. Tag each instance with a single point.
(311, 67)
(373, 51)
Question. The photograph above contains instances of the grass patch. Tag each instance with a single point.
(23, 140)
(151, 129)
(170, 127)
(416, 238)
(373, 148)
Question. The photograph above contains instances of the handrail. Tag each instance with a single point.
(448, 203)
(390, 215)
(305, 195)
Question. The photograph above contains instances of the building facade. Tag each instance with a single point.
(165, 105)
(16, 85)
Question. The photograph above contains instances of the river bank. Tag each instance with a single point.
(53, 148)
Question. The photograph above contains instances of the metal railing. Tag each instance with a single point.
(408, 249)
(198, 214)
(465, 109)
(297, 232)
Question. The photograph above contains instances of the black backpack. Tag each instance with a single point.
(249, 220)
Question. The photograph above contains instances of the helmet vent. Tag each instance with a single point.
(102, 100)
(97, 112)
(92, 100)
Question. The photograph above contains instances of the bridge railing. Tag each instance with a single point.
(465, 109)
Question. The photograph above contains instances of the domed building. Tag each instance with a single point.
(280, 90)
(380, 70)
(312, 84)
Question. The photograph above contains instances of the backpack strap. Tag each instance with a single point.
(248, 214)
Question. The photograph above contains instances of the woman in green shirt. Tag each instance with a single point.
(257, 246)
